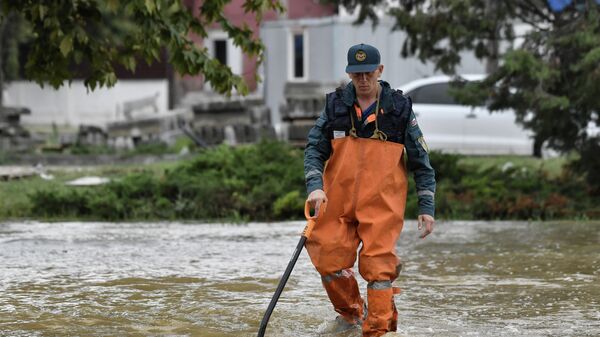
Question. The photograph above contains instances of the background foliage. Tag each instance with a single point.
(257, 182)
(100, 34)
(541, 63)
(265, 182)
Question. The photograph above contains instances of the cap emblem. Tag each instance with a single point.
(360, 56)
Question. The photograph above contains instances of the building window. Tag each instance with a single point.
(220, 47)
(220, 51)
(298, 56)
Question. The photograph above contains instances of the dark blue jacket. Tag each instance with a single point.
(398, 122)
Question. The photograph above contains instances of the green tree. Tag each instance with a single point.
(550, 79)
(72, 32)
(12, 33)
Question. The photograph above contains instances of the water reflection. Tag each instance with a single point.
(171, 279)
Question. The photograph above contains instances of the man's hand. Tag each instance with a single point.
(425, 221)
(316, 198)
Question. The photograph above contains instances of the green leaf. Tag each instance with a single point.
(113, 5)
(130, 63)
(43, 10)
(150, 6)
(66, 45)
(174, 8)
(78, 57)
(110, 79)
(80, 35)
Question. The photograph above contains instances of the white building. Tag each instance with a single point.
(73, 104)
(314, 51)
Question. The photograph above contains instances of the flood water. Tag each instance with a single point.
(171, 279)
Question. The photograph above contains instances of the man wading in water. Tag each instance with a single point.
(362, 135)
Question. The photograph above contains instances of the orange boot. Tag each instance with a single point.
(382, 316)
(344, 294)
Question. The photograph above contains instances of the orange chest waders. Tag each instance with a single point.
(365, 182)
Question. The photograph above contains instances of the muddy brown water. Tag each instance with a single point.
(173, 279)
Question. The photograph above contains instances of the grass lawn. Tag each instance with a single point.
(552, 166)
(14, 201)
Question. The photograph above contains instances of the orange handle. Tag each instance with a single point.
(307, 212)
(311, 220)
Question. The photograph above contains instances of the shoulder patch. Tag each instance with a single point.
(421, 141)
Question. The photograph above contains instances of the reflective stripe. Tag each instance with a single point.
(347, 273)
(358, 111)
(330, 277)
(327, 278)
(426, 192)
(379, 285)
(369, 119)
(313, 173)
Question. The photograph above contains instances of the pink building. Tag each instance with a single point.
(223, 48)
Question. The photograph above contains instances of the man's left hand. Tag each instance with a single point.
(426, 222)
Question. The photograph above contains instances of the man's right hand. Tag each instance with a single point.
(316, 198)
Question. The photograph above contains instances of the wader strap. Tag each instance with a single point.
(378, 134)
(353, 130)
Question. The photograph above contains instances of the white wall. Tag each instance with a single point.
(73, 105)
(327, 45)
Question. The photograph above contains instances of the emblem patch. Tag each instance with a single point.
(360, 56)
(413, 122)
(423, 144)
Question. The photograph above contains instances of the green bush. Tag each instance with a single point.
(289, 206)
(60, 203)
(446, 166)
(239, 182)
(151, 148)
(80, 149)
(264, 181)
(512, 193)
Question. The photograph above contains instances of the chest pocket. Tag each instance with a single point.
(339, 118)
(394, 121)
(393, 125)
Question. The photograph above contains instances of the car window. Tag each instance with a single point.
(432, 94)
(412, 94)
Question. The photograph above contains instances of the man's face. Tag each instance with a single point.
(366, 83)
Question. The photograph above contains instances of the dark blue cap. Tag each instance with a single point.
(362, 58)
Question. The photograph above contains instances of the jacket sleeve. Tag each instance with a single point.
(418, 163)
(316, 153)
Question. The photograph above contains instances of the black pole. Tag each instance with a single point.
(280, 286)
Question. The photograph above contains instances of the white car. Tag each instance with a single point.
(452, 127)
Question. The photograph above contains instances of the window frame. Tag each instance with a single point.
(235, 56)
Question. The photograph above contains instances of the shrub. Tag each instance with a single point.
(59, 203)
(289, 206)
(265, 181)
